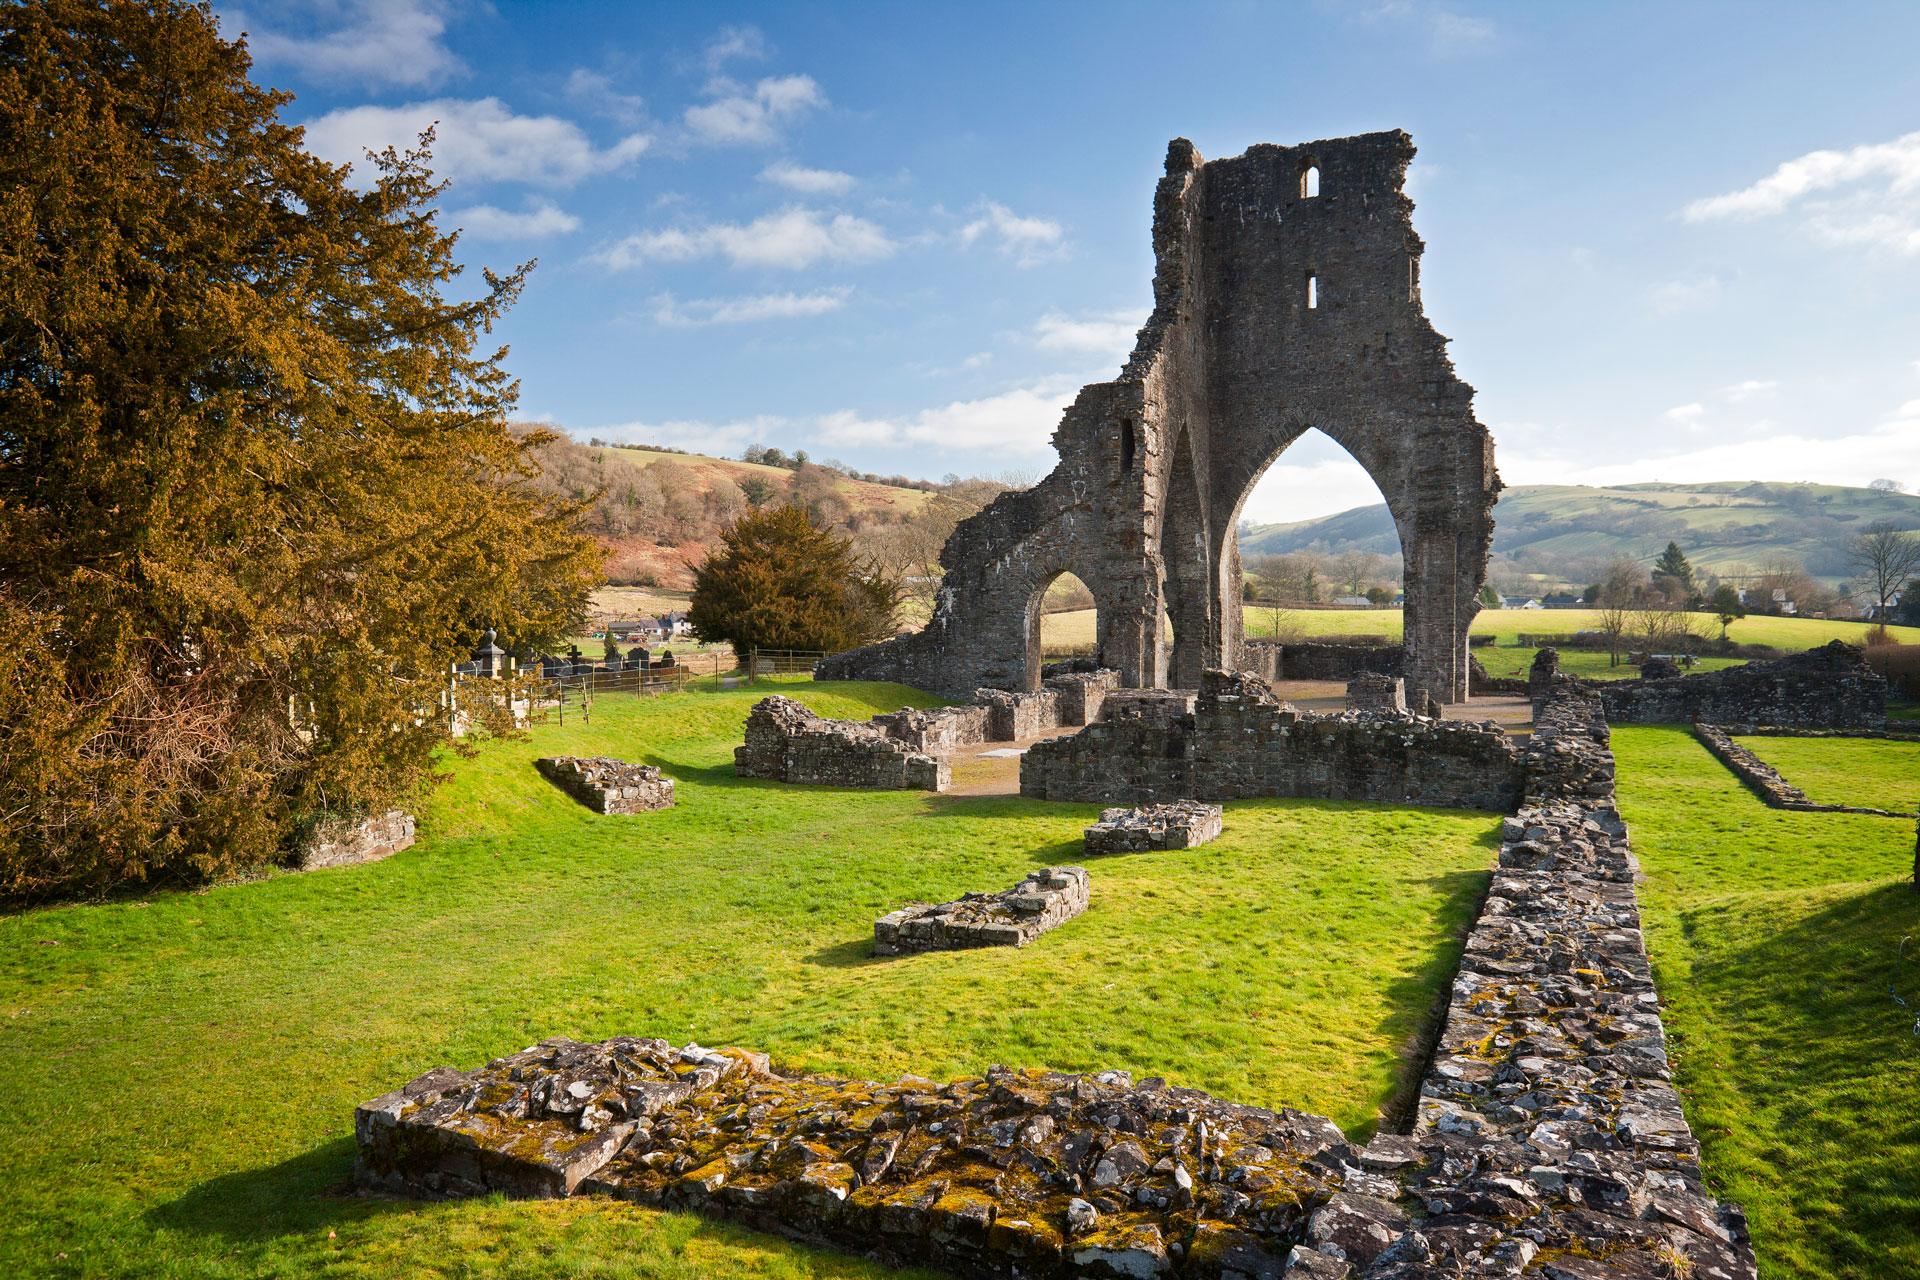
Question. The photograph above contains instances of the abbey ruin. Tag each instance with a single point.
(1286, 298)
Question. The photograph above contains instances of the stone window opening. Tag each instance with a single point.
(1309, 180)
(1413, 279)
(1126, 446)
(1313, 292)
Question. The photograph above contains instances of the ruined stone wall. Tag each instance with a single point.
(1045, 900)
(937, 731)
(1339, 661)
(1276, 310)
(788, 743)
(608, 786)
(1239, 741)
(1828, 687)
(340, 842)
(1766, 781)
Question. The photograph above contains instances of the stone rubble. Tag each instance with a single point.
(788, 743)
(1550, 1139)
(1020, 1173)
(609, 786)
(1045, 900)
(1240, 741)
(1180, 824)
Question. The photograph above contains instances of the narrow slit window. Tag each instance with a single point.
(1413, 279)
(1313, 293)
(1126, 446)
(1309, 181)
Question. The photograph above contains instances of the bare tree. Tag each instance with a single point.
(1621, 584)
(1885, 557)
(1356, 570)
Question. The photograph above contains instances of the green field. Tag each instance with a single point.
(1864, 772)
(1780, 942)
(183, 1069)
(1060, 632)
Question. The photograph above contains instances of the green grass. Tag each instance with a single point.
(1868, 773)
(1062, 631)
(1779, 941)
(182, 1071)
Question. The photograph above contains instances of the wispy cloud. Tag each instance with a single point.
(791, 238)
(1028, 241)
(540, 219)
(1684, 294)
(1867, 195)
(1686, 415)
(700, 312)
(1449, 33)
(1104, 333)
(1742, 391)
(599, 94)
(784, 173)
(479, 140)
(746, 42)
(376, 42)
(743, 116)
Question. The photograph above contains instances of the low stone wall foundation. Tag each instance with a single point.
(1181, 824)
(606, 785)
(1766, 781)
(1239, 741)
(339, 842)
(1044, 900)
(788, 743)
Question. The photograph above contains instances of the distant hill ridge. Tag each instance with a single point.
(1722, 526)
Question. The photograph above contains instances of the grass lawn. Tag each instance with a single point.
(1870, 773)
(1780, 941)
(1064, 631)
(182, 1071)
(1501, 660)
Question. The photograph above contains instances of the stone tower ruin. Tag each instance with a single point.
(1286, 297)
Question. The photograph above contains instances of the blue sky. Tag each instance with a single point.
(1668, 241)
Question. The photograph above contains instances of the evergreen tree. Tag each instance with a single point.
(779, 581)
(256, 484)
(1675, 568)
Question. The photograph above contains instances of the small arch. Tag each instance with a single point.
(1309, 180)
(1313, 292)
(1063, 623)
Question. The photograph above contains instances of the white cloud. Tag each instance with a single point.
(1106, 333)
(1019, 421)
(697, 312)
(477, 140)
(715, 439)
(1448, 32)
(598, 94)
(1759, 452)
(1686, 415)
(1028, 241)
(379, 42)
(736, 42)
(1685, 294)
(784, 173)
(1747, 390)
(742, 116)
(793, 238)
(1868, 195)
(1289, 491)
(539, 219)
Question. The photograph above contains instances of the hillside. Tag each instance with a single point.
(657, 513)
(1723, 527)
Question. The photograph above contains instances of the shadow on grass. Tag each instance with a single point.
(1419, 1001)
(296, 1196)
(856, 953)
(311, 1193)
(1823, 1060)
